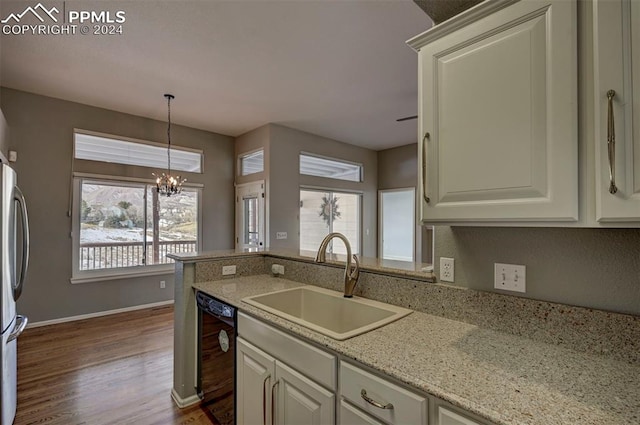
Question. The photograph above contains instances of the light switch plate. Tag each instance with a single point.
(228, 270)
(281, 235)
(510, 277)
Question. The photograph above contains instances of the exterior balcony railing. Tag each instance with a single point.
(109, 255)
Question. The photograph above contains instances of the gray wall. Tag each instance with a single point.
(597, 268)
(42, 133)
(284, 181)
(398, 168)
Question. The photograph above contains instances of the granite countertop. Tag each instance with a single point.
(504, 378)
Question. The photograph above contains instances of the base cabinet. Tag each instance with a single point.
(269, 391)
(281, 379)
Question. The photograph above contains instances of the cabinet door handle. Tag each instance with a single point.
(611, 142)
(273, 399)
(264, 399)
(426, 137)
(372, 402)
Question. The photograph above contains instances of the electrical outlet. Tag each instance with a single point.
(281, 235)
(510, 277)
(446, 269)
(228, 270)
(163, 284)
(277, 269)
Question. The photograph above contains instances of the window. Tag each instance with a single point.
(106, 148)
(312, 165)
(324, 212)
(252, 163)
(126, 226)
(397, 224)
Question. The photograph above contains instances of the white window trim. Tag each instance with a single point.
(87, 276)
(330, 158)
(140, 141)
(247, 153)
(334, 190)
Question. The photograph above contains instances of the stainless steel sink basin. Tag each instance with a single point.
(328, 312)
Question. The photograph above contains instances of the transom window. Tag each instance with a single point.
(107, 148)
(252, 163)
(332, 168)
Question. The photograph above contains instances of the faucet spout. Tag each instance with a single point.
(350, 277)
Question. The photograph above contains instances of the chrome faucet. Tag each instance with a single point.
(350, 277)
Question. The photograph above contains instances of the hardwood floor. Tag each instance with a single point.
(115, 369)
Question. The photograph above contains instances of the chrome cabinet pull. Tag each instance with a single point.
(426, 137)
(611, 142)
(264, 399)
(273, 399)
(372, 402)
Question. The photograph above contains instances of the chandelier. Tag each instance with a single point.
(167, 184)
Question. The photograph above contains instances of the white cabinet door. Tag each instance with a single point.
(300, 401)
(498, 101)
(617, 68)
(255, 373)
(350, 415)
(447, 417)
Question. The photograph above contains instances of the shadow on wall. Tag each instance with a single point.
(597, 268)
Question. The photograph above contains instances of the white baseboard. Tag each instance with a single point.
(184, 402)
(97, 314)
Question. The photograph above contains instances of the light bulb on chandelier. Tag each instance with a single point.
(166, 184)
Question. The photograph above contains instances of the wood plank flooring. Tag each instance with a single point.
(116, 369)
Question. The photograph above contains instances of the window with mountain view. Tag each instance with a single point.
(129, 225)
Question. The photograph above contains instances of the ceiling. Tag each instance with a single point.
(336, 68)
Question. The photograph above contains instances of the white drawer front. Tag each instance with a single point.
(408, 408)
(313, 362)
(447, 417)
(349, 415)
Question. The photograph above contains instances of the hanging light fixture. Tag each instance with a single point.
(166, 183)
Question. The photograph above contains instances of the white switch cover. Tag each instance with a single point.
(277, 269)
(163, 284)
(446, 269)
(281, 235)
(228, 270)
(510, 277)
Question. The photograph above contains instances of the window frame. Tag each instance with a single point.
(98, 275)
(329, 158)
(360, 194)
(247, 154)
(138, 141)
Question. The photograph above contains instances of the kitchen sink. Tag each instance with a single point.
(328, 312)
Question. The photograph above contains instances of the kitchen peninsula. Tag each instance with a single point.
(497, 359)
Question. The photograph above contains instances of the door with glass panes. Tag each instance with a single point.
(250, 216)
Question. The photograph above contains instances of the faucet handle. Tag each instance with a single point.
(356, 271)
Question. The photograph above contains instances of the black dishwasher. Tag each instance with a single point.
(216, 358)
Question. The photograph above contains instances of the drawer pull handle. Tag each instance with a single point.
(611, 142)
(372, 402)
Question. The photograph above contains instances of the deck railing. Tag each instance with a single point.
(108, 255)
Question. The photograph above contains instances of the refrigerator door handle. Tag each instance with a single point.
(21, 323)
(25, 242)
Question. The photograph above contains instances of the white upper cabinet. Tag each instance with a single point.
(498, 115)
(617, 133)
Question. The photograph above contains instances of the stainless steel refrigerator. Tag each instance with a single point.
(14, 255)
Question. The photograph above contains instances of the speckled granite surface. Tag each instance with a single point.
(504, 378)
